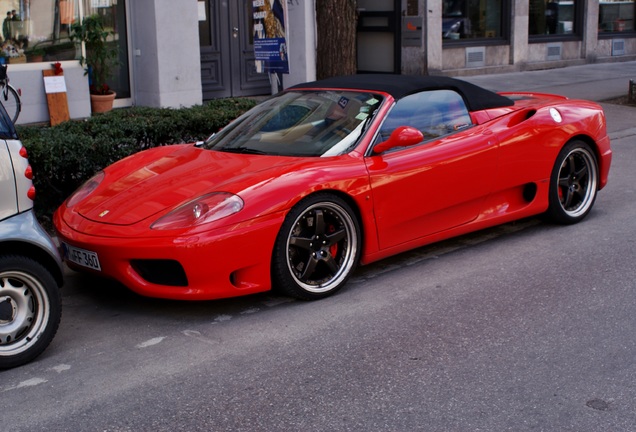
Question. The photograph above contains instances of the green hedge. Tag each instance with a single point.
(65, 156)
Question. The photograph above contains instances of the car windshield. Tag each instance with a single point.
(300, 123)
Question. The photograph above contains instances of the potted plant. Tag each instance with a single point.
(35, 54)
(100, 61)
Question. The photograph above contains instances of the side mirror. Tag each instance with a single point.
(402, 136)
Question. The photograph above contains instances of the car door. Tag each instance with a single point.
(438, 184)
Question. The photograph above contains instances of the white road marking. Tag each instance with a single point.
(28, 383)
(222, 318)
(151, 342)
(61, 368)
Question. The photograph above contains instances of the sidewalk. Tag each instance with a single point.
(597, 82)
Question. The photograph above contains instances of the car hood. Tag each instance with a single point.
(158, 180)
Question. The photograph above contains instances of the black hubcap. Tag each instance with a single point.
(6, 310)
(316, 246)
(573, 181)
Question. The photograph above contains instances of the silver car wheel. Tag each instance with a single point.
(24, 311)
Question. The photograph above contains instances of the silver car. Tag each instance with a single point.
(30, 267)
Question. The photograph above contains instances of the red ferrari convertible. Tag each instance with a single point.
(327, 175)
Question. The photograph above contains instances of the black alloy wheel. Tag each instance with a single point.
(317, 248)
(573, 184)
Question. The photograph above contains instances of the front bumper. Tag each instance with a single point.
(224, 262)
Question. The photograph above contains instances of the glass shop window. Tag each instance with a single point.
(553, 17)
(472, 19)
(616, 16)
(38, 31)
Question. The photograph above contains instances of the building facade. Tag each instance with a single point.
(463, 37)
(175, 54)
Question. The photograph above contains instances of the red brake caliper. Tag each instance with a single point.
(333, 249)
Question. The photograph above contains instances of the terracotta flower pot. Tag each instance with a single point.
(102, 103)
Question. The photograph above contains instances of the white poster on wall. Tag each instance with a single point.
(54, 84)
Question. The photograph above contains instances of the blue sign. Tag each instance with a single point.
(270, 38)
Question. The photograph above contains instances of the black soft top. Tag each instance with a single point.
(398, 86)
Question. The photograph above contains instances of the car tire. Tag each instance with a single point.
(573, 183)
(317, 248)
(30, 310)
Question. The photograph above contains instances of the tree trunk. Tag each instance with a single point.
(336, 22)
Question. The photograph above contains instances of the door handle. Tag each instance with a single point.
(235, 31)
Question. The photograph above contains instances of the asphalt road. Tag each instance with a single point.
(527, 326)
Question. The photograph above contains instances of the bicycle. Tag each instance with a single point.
(9, 96)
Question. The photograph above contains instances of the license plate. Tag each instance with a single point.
(82, 257)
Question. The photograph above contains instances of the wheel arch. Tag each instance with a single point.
(35, 253)
(347, 198)
(595, 148)
(363, 208)
(365, 235)
(588, 140)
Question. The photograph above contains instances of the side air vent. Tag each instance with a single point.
(529, 192)
(553, 51)
(521, 116)
(475, 57)
(618, 47)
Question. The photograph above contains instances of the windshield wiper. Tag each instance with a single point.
(244, 150)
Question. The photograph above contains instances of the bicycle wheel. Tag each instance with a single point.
(10, 99)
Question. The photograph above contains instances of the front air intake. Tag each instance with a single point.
(161, 272)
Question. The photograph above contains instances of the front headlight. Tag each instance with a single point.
(85, 190)
(205, 209)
